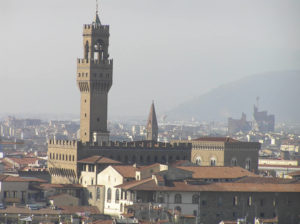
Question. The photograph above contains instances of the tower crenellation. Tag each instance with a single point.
(94, 80)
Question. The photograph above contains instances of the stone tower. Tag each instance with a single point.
(152, 127)
(94, 79)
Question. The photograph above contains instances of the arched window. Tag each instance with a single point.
(198, 161)
(148, 159)
(163, 159)
(98, 193)
(108, 195)
(195, 199)
(99, 50)
(141, 159)
(170, 159)
(233, 162)
(248, 164)
(69, 157)
(117, 196)
(177, 198)
(155, 159)
(86, 52)
(213, 161)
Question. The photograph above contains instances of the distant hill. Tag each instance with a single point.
(279, 94)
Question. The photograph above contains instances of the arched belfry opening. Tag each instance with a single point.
(86, 50)
(99, 50)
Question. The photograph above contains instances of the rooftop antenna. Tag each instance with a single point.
(97, 7)
(97, 20)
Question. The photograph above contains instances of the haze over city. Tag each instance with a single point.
(219, 145)
(167, 51)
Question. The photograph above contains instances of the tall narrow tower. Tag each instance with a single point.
(152, 127)
(94, 79)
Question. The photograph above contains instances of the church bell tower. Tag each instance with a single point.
(94, 80)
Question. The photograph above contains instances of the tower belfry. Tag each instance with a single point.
(152, 127)
(94, 79)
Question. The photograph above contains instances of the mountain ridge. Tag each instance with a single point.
(279, 94)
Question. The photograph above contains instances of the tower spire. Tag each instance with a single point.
(152, 127)
(97, 20)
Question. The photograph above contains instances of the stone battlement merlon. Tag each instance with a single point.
(94, 62)
(63, 143)
(140, 145)
(89, 28)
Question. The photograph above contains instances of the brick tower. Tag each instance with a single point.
(94, 79)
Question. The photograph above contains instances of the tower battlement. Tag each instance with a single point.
(91, 61)
(62, 143)
(139, 144)
(95, 27)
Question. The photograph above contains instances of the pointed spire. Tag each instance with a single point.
(97, 20)
(152, 127)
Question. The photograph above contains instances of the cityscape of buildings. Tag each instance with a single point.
(153, 171)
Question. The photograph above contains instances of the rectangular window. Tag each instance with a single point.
(6, 194)
(23, 195)
(204, 203)
(261, 202)
(15, 194)
(249, 201)
(235, 201)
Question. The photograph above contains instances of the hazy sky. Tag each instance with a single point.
(163, 50)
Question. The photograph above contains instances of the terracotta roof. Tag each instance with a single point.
(8, 178)
(147, 167)
(150, 185)
(23, 161)
(133, 183)
(102, 222)
(296, 173)
(99, 160)
(48, 186)
(217, 172)
(126, 171)
(272, 220)
(34, 179)
(266, 180)
(216, 139)
(25, 210)
(279, 166)
(79, 209)
(180, 163)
